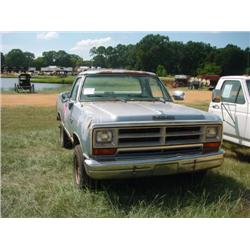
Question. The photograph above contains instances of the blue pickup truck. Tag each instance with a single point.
(124, 124)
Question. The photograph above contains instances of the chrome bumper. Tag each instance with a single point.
(151, 167)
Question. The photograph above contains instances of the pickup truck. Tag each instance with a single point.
(124, 124)
(231, 101)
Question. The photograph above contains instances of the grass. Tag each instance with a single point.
(53, 79)
(44, 78)
(37, 180)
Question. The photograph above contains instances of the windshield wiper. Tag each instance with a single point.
(107, 98)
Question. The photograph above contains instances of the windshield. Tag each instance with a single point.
(248, 86)
(124, 88)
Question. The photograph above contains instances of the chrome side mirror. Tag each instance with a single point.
(178, 95)
(216, 96)
(65, 96)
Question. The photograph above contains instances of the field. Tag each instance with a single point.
(37, 176)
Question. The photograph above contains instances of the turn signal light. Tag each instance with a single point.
(211, 147)
(104, 151)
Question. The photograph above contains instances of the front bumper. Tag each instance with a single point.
(152, 167)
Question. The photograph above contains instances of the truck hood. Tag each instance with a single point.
(132, 111)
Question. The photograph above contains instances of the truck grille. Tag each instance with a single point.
(159, 136)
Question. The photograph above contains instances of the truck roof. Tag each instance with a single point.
(236, 77)
(116, 71)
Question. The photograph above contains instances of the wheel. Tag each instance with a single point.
(81, 179)
(64, 140)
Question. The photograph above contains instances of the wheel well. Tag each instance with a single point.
(76, 140)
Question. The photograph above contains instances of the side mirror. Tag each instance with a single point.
(216, 96)
(178, 95)
(65, 96)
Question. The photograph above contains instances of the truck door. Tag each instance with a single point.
(232, 109)
(69, 106)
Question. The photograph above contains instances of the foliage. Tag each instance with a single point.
(2, 60)
(151, 51)
(161, 71)
(232, 60)
(209, 69)
(17, 59)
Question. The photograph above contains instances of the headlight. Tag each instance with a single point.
(104, 136)
(212, 132)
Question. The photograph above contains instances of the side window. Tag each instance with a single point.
(240, 98)
(74, 90)
(232, 92)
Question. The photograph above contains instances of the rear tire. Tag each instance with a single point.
(81, 178)
(64, 140)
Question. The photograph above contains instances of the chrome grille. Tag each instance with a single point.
(159, 136)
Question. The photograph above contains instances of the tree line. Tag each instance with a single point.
(154, 53)
(157, 53)
(16, 59)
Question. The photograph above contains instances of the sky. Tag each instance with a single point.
(81, 42)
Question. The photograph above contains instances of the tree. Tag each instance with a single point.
(2, 60)
(195, 54)
(209, 69)
(76, 60)
(99, 54)
(29, 59)
(39, 62)
(151, 51)
(232, 60)
(50, 57)
(16, 59)
(161, 71)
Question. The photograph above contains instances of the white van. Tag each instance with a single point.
(231, 101)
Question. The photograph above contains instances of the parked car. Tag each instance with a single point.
(180, 81)
(124, 124)
(231, 101)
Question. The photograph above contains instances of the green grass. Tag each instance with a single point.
(53, 79)
(37, 180)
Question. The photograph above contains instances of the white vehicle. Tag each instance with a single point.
(231, 101)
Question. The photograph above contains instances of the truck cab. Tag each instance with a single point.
(231, 101)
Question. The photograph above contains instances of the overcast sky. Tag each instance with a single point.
(81, 42)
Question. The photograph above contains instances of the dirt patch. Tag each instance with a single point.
(42, 100)
(48, 100)
(197, 96)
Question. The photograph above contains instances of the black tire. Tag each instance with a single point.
(64, 140)
(81, 178)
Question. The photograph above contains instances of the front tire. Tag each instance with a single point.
(81, 179)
